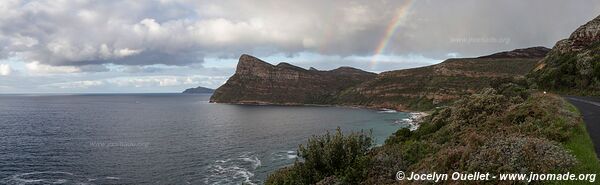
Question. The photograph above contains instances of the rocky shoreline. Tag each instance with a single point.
(414, 120)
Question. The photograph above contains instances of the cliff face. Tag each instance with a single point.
(573, 64)
(258, 82)
(426, 87)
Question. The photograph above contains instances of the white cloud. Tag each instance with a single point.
(127, 52)
(142, 82)
(107, 32)
(76, 85)
(163, 81)
(87, 15)
(36, 68)
(5, 70)
(2, 87)
(21, 41)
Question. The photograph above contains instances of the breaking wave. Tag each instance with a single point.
(284, 155)
(235, 170)
(387, 111)
(51, 177)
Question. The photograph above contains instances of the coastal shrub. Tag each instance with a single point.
(447, 159)
(543, 115)
(573, 72)
(502, 130)
(478, 107)
(432, 123)
(421, 103)
(519, 155)
(464, 129)
(400, 135)
(331, 180)
(596, 72)
(339, 155)
(512, 84)
(387, 160)
(558, 74)
(285, 176)
(513, 90)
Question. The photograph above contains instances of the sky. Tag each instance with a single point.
(110, 46)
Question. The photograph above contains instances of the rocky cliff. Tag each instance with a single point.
(573, 64)
(258, 82)
(436, 85)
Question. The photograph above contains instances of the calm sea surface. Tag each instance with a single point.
(160, 138)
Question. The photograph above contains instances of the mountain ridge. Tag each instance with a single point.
(258, 82)
(436, 85)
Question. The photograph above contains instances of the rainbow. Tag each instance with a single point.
(391, 30)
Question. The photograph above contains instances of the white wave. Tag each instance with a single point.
(59, 181)
(233, 170)
(284, 155)
(413, 121)
(253, 160)
(45, 177)
(222, 161)
(387, 111)
(292, 154)
(244, 174)
(229, 175)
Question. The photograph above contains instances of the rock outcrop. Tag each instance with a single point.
(573, 64)
(258, 82)
(585, 35)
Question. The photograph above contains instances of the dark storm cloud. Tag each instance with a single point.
(149, 58)
(477, 27)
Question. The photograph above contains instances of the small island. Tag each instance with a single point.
(199, 90)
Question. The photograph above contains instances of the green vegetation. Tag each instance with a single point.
(582, 148)
(580, 145)
(576, 73)
(503, 130)
(424, 88)
(330, 155)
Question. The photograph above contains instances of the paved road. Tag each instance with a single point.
(590, 108)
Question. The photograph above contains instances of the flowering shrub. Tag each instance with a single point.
(509, 130)
(343, 156)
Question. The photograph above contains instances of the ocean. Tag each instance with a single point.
(161, 138)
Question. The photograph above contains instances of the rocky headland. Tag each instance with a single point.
(258, 82)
